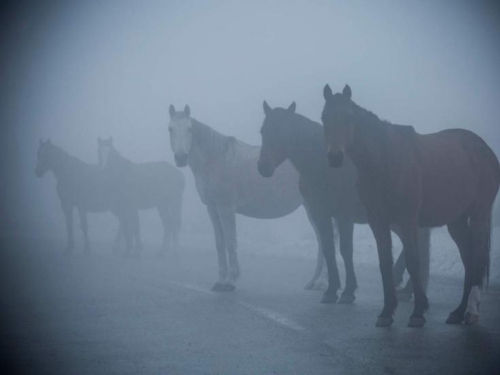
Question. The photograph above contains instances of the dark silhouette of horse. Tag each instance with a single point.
(139, 186)
(228, 183)
(446, 178)
(327, 193)
(79, 185)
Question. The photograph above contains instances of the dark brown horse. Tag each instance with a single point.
(446, 178)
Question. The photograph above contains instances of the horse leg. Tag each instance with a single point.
(118, 238)
(480, 226)
(323, 224)
(227, 215)
(127, 229)
(220, 246)
(136, 231)
(85, 229)
(409, 232)
(382, 234)
(424, 249)
(320, 258)
(68, 215)
(460, 233)
(346, 229)
(399, 269)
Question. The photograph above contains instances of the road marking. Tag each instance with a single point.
(276, 317)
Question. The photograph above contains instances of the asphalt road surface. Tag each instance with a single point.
(103, 314)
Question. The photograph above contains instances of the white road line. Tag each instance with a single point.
(276, 317)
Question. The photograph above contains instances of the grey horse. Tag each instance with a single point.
(227, 180)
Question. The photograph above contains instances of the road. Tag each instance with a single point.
(103, 314)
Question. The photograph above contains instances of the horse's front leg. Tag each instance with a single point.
(68, 215)
(346, 229)
(85, 229)
(409, 236)
(227, 215)
(323, 223)
(382, 234)
(220, 246)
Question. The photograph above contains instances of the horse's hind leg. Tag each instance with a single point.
(227, 215)
(480, 231)
(409, 233)
(320, 258)
(346, 229)
(220, 246)
(460, 233)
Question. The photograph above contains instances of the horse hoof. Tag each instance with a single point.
(218, 287)
(404, 297)
(471, 318)
(454, 319)
(346, 299)
(329, 298)
(384, 322)
(416, 322)
(229, 288)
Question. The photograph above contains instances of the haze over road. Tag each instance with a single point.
(105, 314)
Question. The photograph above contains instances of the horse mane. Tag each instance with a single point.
(67, 158)
(209, 140)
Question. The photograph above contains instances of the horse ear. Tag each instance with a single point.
(187, 110)
(347, 92)
(171, 110)
(327, 92)
(292, 107)
(267, 109)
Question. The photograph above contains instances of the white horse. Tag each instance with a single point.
(227, 180)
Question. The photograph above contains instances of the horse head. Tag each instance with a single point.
(181, 134)
(337, 124)
(277, 136)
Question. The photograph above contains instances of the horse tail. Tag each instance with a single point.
(484, 257)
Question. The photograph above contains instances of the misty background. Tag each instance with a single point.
(73, 71)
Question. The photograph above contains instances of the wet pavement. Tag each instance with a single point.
(102, 314)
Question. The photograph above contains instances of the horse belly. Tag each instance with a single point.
(268, 198)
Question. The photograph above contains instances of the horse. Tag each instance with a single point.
(79, 185)
(228, 183)
(328, 194)
(448, 178)
(140, 186)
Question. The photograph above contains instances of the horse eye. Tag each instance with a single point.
(170, 130)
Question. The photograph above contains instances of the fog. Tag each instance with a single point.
(73, 71)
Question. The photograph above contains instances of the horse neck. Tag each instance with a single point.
(117, 160)
(207, 146)
(369, 142)
(64, 165)
(307, 152)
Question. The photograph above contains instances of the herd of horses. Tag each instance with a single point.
(352, 169)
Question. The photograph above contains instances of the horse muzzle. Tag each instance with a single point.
(181, 159)
(335, 159)
(265, 169)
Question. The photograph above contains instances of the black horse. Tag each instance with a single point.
(139, 186)
(327, 193)
(79, 185)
